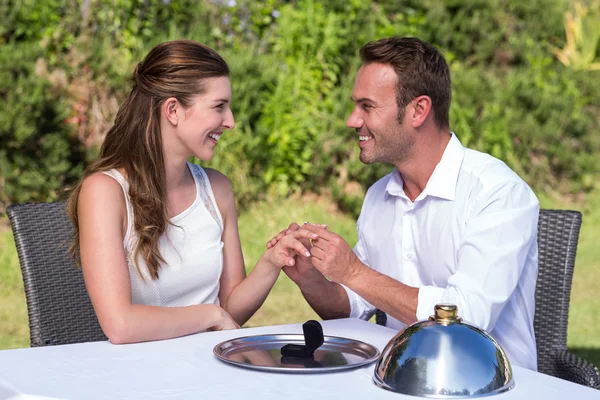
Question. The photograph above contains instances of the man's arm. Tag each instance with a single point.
(327, 298)
(491, 258)
(385, 293)
(333, 257)
(499, 241)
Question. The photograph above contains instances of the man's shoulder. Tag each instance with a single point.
(487, 170)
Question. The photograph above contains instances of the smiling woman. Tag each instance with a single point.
(203, 122)
(157, 237)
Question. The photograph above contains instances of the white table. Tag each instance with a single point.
(185, 368)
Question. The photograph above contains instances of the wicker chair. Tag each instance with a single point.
(558, 233)
(60, 311)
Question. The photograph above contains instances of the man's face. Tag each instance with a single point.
(382, 138)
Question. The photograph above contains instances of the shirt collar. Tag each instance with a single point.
(442, 182)
(395, 185)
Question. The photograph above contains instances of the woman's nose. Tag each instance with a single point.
(229, 121)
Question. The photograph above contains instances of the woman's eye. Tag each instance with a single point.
(220, 106)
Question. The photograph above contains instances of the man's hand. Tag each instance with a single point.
(303, 270)
(327, 298)
(332, 255)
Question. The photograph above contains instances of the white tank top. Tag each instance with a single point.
(192, 249)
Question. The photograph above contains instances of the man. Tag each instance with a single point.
(448, 225)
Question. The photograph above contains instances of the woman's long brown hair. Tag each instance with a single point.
(133, 144)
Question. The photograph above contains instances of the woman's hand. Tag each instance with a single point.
(226, 322)
(283, 252)
(291, 228)
(302, 270)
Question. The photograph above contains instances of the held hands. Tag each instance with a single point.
(303, 270)
(297, 241)
(330, 255)
(292, 228)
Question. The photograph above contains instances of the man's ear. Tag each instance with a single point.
(170, 110)
(420, 110)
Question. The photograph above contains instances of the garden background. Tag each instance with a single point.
(525, 89)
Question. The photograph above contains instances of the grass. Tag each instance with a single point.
(14, 329)
(285, 304)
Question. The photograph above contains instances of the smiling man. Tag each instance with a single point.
(448, 225)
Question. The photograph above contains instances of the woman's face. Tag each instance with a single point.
(204, 121)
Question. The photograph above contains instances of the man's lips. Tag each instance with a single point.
(364, 139)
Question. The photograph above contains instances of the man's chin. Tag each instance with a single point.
(373, 160)
(365, 159)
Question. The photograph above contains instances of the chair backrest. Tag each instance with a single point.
(60, 311)
(558, 234)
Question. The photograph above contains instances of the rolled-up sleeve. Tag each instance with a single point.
(501, 230)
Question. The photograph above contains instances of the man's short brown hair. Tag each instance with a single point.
(421, 70)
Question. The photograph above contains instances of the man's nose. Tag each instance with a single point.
(354, 120)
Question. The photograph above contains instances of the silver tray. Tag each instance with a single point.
(263, 352)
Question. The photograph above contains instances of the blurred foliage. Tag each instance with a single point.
(38, 153)
(582, 27)
(524, 85)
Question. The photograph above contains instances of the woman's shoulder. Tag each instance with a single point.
(99, 181)
(222, 189)
(100, 188)
(101, 204)
(218, 179)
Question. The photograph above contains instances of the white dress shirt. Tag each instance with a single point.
(470, 239)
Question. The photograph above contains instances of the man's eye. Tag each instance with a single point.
(366, 107)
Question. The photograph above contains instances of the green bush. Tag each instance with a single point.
(242, 154)
(64, 64)
(290, 135)
(536, 118)
(38, 153)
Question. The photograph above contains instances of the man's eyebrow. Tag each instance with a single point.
(362, 100)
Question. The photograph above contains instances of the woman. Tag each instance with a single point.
(157, 237)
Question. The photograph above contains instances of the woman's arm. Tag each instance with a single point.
(102, 223)
(239, 295)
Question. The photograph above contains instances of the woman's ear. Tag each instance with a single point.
(170, 110)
